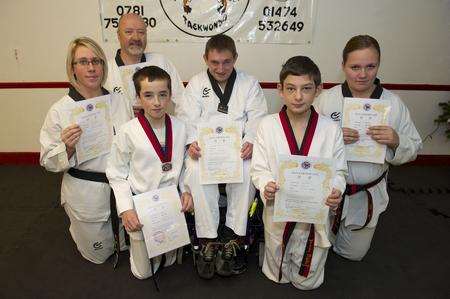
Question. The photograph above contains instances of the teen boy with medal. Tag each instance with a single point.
(296, 252)
(147, 154)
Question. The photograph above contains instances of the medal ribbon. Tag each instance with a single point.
(164, 156)
(224, 98)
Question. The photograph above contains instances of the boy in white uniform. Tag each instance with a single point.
(366, 194)
(296, 252)
(221, 90)
(132, 36)
(147, 154)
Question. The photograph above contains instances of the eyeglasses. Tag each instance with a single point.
(85, 62)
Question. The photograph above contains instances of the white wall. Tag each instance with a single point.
(414, 36)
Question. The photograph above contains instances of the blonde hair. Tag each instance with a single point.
(91, 45)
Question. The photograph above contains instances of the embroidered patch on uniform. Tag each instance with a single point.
(97, 245)
(219, 130)
(205, 92)
(117, 89)
(336, 116)
(155, 197)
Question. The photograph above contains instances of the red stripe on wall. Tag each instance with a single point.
(32, 158)
(28, 85)
(264, 85)
(19, 158)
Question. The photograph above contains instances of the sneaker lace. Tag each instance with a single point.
(209, 250)
(230, 248)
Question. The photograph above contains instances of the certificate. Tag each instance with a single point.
(164, 226)
(126, 74)
(305, 183)
(94, 118)
(360, 114)
(220, 141)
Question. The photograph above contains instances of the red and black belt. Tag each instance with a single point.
(351, 189)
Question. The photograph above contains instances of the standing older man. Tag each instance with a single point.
(132, 35)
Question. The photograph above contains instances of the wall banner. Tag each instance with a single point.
(251, 21)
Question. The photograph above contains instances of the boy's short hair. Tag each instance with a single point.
(151, 73)
(221, 42)
(300, 66)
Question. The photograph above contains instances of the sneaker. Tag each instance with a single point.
(226, 258)
(205, 263)
(240, 261)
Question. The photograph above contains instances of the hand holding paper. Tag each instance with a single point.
(384, 135)
(130, 221)
(70, 137)
(334, 199)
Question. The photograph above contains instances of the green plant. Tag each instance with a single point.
(444, 117)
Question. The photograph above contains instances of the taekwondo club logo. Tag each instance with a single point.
(219, 130)
(97, 245)
(90, 107)
(367, 107)
(306, 165)
(155, 197)
(204, 18)
(205, 92)
(336, 116)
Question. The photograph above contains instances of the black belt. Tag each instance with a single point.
(351, 189)
(93, 176)
(100, 177)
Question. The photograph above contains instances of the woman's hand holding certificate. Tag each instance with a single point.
(93, 116)
(362, 122)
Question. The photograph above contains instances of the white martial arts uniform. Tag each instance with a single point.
(114, 82)
(355, 244)
(87, 203)
(133, 168)
(246, 105)
(270, 142)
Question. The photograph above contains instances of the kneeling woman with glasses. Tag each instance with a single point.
(85, 193)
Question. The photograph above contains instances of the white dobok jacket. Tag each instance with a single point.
(330, 104)
(135, 167)
(88, 200)
(247, 104)
(269, 143)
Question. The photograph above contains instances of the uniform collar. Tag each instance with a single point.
(120, 62)
(76, 96)
(376, 94)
